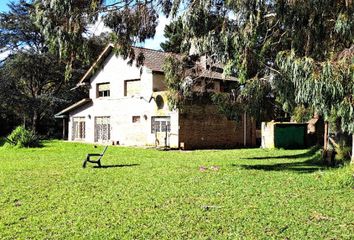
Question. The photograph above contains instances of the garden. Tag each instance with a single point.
(149, 194)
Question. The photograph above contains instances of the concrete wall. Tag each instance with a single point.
(121, 109)
(268, 135)
(284, 135)
(204, 127)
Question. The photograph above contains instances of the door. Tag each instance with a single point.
(78, 129)
(102, 129)
(161, 128)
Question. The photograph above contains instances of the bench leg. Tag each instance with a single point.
(85, 161)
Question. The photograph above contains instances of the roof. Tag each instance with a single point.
(153, 60)
(80, 103)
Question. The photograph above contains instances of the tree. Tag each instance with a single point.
(18, 31)
(34, 88)
(174, 38)
(64, 24)
(293, 46)
(287, 46)
(32, 78)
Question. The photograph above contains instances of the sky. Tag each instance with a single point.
(98, 28)
(3, 5)
(3, 8)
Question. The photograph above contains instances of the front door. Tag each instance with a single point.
(102, 129)
(161, 128)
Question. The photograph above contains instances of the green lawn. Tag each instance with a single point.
(150, 194)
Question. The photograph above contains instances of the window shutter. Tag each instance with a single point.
(103, 87)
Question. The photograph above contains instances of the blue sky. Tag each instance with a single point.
(3, 5)
(151, 43)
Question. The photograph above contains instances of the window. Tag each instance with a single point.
(132, 87)
(103, 90)
(160, 124)
(78, 128)
(159, 84)
(102, 129)
(136, 119)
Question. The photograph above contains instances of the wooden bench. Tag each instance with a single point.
(97, 161)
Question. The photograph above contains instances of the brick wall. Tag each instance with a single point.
(204, 127)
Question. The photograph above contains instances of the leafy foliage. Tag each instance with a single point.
(65, 24)
(175, 79)
(325, 86)
(32, 78)
(21, 137)
(302, 114)
(175, 40)
(228, 106)
(17, 30)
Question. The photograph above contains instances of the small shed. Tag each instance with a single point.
(284, 135)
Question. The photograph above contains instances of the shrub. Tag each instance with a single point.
(343, 152)
(21, 137)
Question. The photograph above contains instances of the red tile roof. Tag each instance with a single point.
(153, 60)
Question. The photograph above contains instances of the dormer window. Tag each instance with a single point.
(103, 90)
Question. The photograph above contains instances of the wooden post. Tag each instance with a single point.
(245, 129)
(325, 142)
(64, 129)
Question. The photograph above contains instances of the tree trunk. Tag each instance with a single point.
(325, 144)
(35, 120)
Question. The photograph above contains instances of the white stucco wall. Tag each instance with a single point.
(121, 109)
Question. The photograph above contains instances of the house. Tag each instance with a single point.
(127, 105)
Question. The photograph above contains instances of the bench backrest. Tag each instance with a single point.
(104, 150)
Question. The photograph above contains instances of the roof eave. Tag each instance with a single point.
(64, 112)
(91, 70)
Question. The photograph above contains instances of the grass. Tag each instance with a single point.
(150, 194)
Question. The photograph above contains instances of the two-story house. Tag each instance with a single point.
(127, 105)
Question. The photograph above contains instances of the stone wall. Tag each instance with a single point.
(202, 127)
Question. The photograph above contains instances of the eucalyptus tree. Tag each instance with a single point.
(302, 49)
(294, 47)
(175, 41)
(32, 79)
(66, 23)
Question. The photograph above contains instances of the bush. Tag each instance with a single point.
(343, 152)
(21, 137)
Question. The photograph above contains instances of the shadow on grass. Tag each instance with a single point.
(312, 164)
(312, 151)
(2, 142)
(117, 165)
